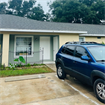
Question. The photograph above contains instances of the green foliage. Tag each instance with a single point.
(20, 59)
(38, 64)
(19, 65)
(15, 5)
(16, 60)
(99, 10)
(12, 66)
(103, 43)
(2, 67)
(87, 2)
(78, 11)
(37, 13)
(3, 8)
(23, 8)
(28, 65)
(35, 64)
(27, 7)
(5, 73)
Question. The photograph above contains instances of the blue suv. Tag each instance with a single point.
(84, 61)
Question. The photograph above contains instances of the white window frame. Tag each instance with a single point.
(16, 56)
(83, 38)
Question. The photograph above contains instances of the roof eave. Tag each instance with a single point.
(41, 31)
(92, 35)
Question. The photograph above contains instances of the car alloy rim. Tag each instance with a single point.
(100, 88)
(60, 71)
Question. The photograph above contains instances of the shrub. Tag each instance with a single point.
(12, 66)
(28, 65)
(20, 59)
(38, 64)
(103, 43)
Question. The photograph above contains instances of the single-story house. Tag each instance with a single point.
(18, 34)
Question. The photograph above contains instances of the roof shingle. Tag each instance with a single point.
(16, 22)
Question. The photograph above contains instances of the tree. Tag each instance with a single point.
(37, 13)
(26, 9)
(99, 10)
(15, 6)
(3, 8)
(48, 17)
(87, 2)
(78, 11)
(68, 11)
(20, 7)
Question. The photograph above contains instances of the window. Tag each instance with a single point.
(68, 50)
(98, 37)
(80, 51)
(81, 39)
(23, 46)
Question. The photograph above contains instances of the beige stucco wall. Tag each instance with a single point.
(63, 38)
(5, 49)
(95, 39)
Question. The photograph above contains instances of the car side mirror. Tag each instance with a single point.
(85, 58)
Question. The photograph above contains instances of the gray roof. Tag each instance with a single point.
(16, 22)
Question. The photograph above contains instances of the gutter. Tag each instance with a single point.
(41, 31)
(92, 35)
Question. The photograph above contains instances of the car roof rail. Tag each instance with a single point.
(83, 42)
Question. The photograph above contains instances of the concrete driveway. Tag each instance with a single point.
(48, 90)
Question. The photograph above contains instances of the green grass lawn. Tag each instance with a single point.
(6, 73)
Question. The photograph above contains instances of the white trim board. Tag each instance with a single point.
(41, 31)
(92, 35)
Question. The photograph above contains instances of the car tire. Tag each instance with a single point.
(60, 72)
(99, 89)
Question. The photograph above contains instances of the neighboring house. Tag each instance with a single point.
(18, 33)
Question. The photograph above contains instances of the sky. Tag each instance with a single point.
(42, 2)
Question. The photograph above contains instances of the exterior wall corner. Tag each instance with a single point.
(5, 49)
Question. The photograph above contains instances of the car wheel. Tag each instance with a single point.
(99, 89)
(60, 72)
